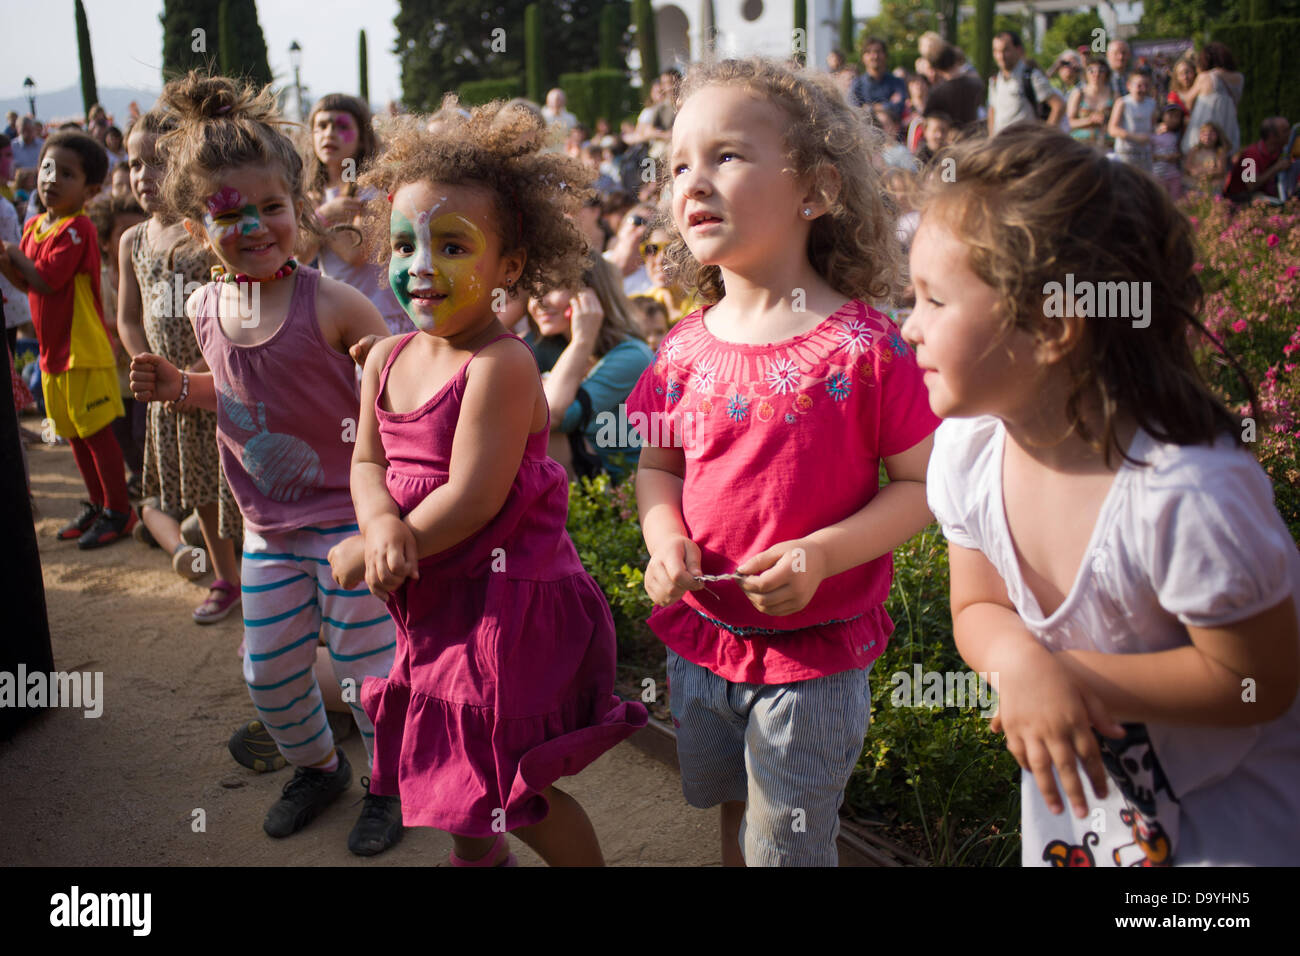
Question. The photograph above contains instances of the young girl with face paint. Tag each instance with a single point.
(343, 144)
(503, 679)
(276, 337)
(182, 471)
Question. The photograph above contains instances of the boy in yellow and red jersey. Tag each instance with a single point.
(58, 264)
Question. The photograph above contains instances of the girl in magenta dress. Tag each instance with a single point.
(504, 672)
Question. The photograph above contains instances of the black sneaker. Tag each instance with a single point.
(379, 826)
(253, 747)
(305, 796)
(81, 523)
(110, 526)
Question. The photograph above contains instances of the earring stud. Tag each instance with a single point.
(807, 213)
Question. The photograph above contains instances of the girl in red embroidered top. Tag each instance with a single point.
(771, 410)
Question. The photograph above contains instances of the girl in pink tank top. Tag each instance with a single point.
(504, 672)
(276, 338)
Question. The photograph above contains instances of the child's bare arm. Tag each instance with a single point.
(28, 278)
(389, 548)
(674, 557)
(1231, 676)
(130, 309)
(495, 415)
(787, 575)
(345, 315)
(370, 495)
(1116, 128)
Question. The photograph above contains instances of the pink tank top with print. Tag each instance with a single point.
(286, 415)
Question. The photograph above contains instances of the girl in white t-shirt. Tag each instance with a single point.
(1118, 567)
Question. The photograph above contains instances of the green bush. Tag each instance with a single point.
(941, 772)
(477, 92)
(598, 93)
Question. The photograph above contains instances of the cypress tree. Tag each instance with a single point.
(89, 94)
(190, 36)
(534, 68)
(363, 68)
(611, 36)
(646, 41)
(848, 42)
(984, 38)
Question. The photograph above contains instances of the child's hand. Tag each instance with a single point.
(672, 571)
(154, 379)
(348, 561)
(1049, 720)
(784, 578)
(391, 555)
(361, 348)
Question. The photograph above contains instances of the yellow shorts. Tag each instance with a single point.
(81, 401)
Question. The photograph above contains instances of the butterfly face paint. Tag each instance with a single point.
(435, 267)
(229, 217)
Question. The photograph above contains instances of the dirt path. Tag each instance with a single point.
(122, 789)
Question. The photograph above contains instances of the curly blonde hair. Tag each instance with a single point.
(220, 124)
(853, 246)
(499, 149)
(1033, 205)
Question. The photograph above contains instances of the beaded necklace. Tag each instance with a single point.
(219, 273)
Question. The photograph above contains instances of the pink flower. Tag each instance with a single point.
(1239, 325)
(1272, 240)
(1291, 271)
(1200, 267)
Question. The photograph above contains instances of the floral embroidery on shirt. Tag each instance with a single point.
(765, 411)
(674, 391)
(839, 386)
(783, 375)
(705, 370)
(856, 334)
(803, 402)
(737, 408)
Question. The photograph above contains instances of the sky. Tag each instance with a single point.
(126, 38)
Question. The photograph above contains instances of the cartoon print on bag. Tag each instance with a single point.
(283, 467)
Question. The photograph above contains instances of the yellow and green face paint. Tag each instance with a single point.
(438, 256)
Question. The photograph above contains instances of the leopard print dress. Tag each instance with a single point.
(181, 464)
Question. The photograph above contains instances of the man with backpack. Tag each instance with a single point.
(1019, 92)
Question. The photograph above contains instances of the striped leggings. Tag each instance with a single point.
(291, 605)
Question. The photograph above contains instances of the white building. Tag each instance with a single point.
(767, 26)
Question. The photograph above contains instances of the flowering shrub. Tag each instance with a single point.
(1250, 267)
(940, 774)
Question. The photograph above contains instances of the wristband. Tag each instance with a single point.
(185, 388)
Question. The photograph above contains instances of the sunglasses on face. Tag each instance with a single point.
(639, 220)
(649, 249)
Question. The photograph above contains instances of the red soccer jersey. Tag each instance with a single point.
(69, 322)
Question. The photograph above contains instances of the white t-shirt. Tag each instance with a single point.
(1007, 96)
(1192, 539)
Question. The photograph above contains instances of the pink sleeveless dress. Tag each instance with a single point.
(503, 677)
